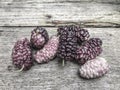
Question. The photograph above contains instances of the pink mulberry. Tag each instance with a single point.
(94, 68)
(49, 50)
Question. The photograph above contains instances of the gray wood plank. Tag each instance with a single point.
(63, 1)
(53, 76)
(88, 13)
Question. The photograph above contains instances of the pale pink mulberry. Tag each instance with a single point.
(94, 68)
(49, 50)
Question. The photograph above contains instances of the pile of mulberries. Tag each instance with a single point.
(89, 50)
(49, 50)
(69, 37)
(22, 55)
(94, 68)
(39, 37)
(76, 44)
(71, 43)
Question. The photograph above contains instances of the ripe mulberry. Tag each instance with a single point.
(21, 54)
(81, 34)
(94, 68)
(68, 42)
(39, 37)
(89, 50)
(49, 50)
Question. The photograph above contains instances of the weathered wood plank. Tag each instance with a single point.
(89, 13)
(63, 1)
(53, 76)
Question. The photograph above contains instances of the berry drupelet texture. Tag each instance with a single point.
(81, 34)
(21, 54)
(39, 37)
(49, 50)
(68, 42)
(71, 37)
(94, 68)
(89, 50)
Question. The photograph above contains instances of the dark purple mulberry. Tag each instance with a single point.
(68, 42)
(81, 34)
(89, 50)
(21, 54)
(39, 37)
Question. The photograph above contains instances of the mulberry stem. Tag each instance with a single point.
(63, 62)
(21, 68)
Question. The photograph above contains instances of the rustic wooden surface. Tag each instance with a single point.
(89, 13)
(53, 76)
(19, 17)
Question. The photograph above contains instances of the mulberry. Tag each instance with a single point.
(81, 34)
(21, 54)
(70, 36)
(67, 30)
(94, 68)
(89, 50)
(49, 50)
(39, 38)
(68, 42)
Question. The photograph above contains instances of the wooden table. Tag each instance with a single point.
(19, 17)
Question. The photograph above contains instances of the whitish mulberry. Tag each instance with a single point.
(89, 50)
(21, 54)
(39, 38)
(94, 68)
(49, 50)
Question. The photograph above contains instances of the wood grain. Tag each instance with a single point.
(87, 13)
(53, 76)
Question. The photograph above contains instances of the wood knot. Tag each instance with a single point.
(48, 16)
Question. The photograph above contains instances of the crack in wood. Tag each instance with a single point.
(90, 1)
(1, 31)
(48, 16)
(85, 24)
